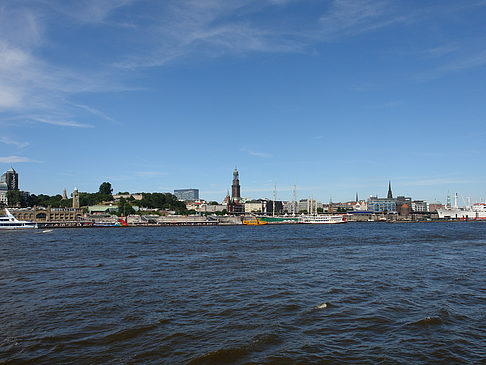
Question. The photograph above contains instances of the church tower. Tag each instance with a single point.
(390, 195)
(75, 198)
(235, 188)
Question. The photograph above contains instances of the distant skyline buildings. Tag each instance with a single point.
(11, 179)
(187, 194)
(312, 93)
(282, 194)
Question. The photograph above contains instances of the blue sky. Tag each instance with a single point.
(336, 96)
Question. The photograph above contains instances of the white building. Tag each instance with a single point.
(3, 194)
(419, 206)
(255, 207)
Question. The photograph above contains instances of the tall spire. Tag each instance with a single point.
(390, 195)
(235, 188)
(357, 197)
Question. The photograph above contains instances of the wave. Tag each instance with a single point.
(233, 354)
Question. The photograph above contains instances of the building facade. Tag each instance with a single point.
(3, 194)
(187, 194)
(381, 205)
(419, 206)
(403, 205)
(433, 206)
(11, 178)
(41, 214)
(76, 198)
(255, 206)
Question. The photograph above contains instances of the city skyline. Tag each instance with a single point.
(337, 97)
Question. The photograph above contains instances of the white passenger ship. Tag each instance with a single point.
(473, 212)
(10, 222)
(322, 219)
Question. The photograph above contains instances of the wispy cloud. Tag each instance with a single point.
(442, 50)
(61, 123)
(9, 141)
(30, 83)
(472, 61)
(436, 181)
(256, 153)
(350, 17)
(88, 11)
(462, 63)
(16, 159)
(95, 112)
(151, 173)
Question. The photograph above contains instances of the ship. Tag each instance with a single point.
(10, 222)
(254, 222)
(322, 219)
(474, 212)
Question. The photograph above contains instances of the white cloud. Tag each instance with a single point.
(9, 141)
(151, 173)
(61, 123)
(94, 111)
(16, 159)
(256, 153)
(350, 17)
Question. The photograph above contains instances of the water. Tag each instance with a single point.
(370, 292)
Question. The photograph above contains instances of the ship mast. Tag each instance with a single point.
(294, 208)
(274, 193)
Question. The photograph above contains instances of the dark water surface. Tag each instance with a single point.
(395, 293)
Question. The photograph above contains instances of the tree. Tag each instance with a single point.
(105, 188)
(15, 197)
(125, 208)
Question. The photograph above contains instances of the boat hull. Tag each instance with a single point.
(322, 219)
(10, 223)
(476, 212)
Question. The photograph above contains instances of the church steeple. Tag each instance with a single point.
(235, 188)
(390, 195)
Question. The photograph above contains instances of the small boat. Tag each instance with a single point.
(118, 223)
(322, 219)
(10, 222)
(254, 222)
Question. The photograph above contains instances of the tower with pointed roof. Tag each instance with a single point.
(390, 195)
(235, 188)
(75, 198)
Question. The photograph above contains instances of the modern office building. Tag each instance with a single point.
(11, 178)
(187, 194)
(381, 205)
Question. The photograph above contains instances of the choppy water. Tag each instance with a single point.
(371, 292)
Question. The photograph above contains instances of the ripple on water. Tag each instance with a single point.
(393, 294)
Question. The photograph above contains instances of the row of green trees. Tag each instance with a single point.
(165, 201)
(16, 198)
